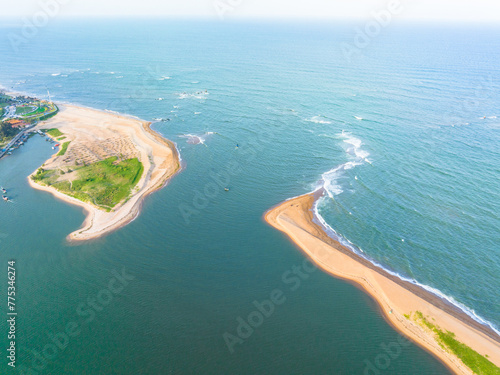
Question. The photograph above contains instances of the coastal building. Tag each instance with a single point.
(16, 123)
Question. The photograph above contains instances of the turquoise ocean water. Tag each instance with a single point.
(404, 136)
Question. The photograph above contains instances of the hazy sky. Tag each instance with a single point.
(468, 10)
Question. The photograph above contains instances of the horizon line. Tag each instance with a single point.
(235, 18)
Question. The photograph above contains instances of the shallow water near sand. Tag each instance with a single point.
(396, 136)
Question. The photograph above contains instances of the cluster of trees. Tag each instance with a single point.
(5, 98)
(6, 131)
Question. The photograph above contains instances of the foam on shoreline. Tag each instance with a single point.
(329, 185)
(348, 244)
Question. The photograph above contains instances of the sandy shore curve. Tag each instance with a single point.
(396, 297)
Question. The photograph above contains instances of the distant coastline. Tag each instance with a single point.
(399, 300)
(98, 134)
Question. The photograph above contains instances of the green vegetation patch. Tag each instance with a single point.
(63, 149)
(45, 176)
(37, 111)
(105, 183)
(54, 110)
(6, 132)
(54, 132)
(60, 139)
(5, 100)
(23, 110)
(472, 359)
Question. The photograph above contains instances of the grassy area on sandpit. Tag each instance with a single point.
(478, 363)
(105, 183)
(63, 149)
(54, 132)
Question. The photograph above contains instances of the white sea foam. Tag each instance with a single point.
(55, 74)
(110, 111)
(178, 152)
(358, 118)
(344, 241)
(200, 95)
(196, 139)
(330, 179)
(163, 78)
(330, 183)
(355, 148)
(319, 120)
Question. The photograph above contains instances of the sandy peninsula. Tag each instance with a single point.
(96, 135)
(395, 297)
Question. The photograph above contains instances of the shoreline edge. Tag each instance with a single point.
(153, 148)
(395, 297)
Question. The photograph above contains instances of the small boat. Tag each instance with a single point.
(5, 198)
(4, 190)
(57, 145)
(226, 189)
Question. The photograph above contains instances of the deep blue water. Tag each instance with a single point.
(396, 134)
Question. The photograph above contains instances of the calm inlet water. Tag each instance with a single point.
(397, 135)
